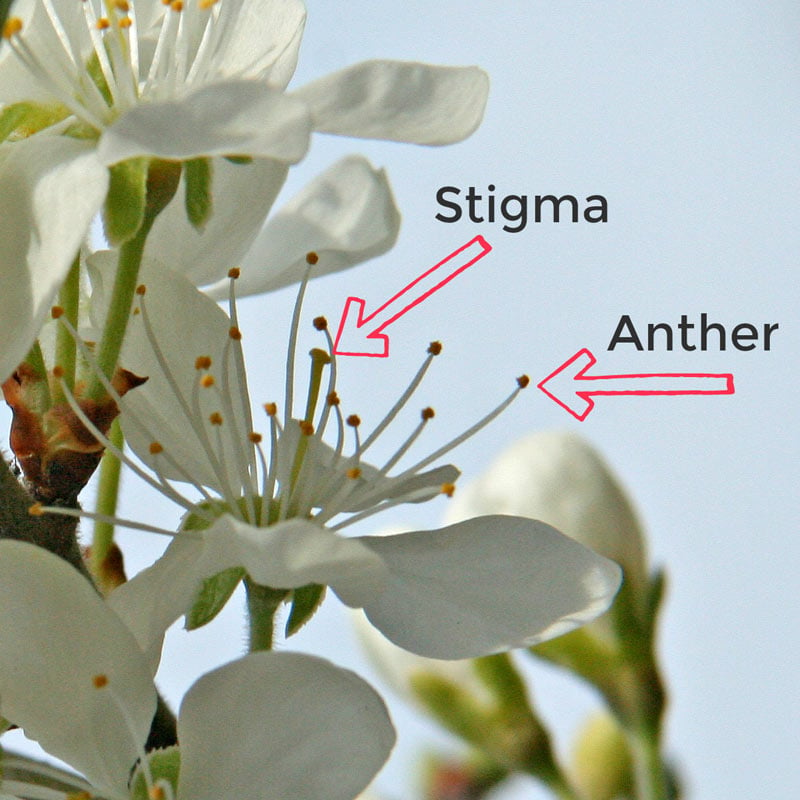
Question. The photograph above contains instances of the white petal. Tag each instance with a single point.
(486, 585)
(399, 101)
(242, 195)
(186, 324)
(286, 555)
(346, 215)
(281, 726)
(561, 479)
(233, 118)
(261, 41)
(50, 188)
(56, 635)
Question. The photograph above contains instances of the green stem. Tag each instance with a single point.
(262, 604)
(119, 310)
(107, 494)
(648, 766)
(69, 300)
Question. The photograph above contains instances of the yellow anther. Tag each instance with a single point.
(125, 22)
(434, 348)
(215, 418)
(353, 420)
(306, 428)
(312, 258)
(156, 793)
(100, 681)
(58, 371)
(56, 312)
(428, 413)
(103, 24)
(332, 399)
(176, 5)
(122, 5)
(255, 438)
(141, 289)
(353, 473)
(12, 26)
(206, 4)
(36, 510)
(202, 362)
(271, 409)
(235, 333)
(523, 381)
(136, 311)
(320, 323)
(448, 489)
(207, 381)
(234, 272)
(156, 448)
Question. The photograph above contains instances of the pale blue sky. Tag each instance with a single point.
(684, 116)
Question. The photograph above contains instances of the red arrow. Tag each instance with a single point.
(363, 336)
(573, 389)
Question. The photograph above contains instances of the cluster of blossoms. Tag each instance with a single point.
(174, 122)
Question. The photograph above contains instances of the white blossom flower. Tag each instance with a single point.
(469, 589)
(90, 85)
(269, 726)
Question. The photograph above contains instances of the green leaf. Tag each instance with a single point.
(165, 765)
(24, 119)
(212, 597)
(125, 204)
(305, 601)
(199, 203)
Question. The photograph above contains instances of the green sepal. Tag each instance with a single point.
(305, 602)
(198, 199)
(212, 596)
(99, 79)
(165, 765)
(25, 118)
(124, 210)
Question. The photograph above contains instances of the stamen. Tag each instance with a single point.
(433, 350)
(12, 27)
(207, 381)
(426, 416)
(202, 362)
(448, 489)
(215, 418)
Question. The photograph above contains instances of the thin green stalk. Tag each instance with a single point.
(262, 604)
(119, 310)
(107, 494)
(650, 778)
(69, 300)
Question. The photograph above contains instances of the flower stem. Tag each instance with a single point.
(648, 765)
(69, 300)
(262, 604)
(119, 310)
(107, 494)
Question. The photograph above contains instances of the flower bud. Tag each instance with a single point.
(557, 477)
(601, 766)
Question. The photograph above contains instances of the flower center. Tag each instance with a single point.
(98, 59)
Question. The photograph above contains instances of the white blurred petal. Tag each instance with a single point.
(56, 635)
(485, 585)
(561, 479)
(281, 726)
(346, 215)
(400, 101)
(242, 195)
(232, 118)
(50, 188)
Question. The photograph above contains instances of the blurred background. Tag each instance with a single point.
(685, 117)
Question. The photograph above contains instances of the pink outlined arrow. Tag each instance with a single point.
(363, 336)
(573, 389)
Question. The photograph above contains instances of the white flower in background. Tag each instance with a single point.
(559, 478)
(73, 677)
(276, 504)
(88, 85)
